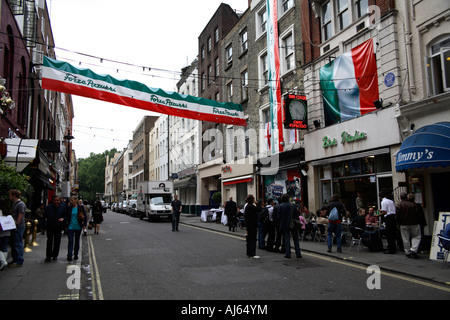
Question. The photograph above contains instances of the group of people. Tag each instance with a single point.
(72, 218)
(271, 225)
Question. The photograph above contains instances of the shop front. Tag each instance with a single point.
(425, 158)
(238, 181)
(354, 159)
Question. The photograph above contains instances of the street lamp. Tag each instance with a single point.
(68, 137)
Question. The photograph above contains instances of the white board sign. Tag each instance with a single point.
(436, 251)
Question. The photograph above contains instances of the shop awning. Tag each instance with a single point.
(21, 152)
(238, 180)
(429, 146)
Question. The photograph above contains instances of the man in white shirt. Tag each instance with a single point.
(388, 210)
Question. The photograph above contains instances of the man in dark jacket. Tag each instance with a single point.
(336, 225)
(231, 212)
(53, 219)
(285, 217)
(409, 220)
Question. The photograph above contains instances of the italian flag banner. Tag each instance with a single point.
(349, 84)
(63, 77)
(273, 61)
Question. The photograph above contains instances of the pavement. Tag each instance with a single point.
(60, 280)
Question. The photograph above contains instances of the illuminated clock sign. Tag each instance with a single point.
(295, 112)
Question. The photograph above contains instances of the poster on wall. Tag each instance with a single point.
(288, 181)
(436, 251)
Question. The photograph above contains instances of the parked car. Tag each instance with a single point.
(131, 207)
(119, 207)
(125, 207)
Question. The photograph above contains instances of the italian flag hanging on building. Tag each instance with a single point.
(349, 84)
(273, 61)
(63, 77)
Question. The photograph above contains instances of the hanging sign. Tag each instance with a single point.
(295, 111)
(64, 77)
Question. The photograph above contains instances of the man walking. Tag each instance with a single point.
(336, 211)
(16, 240)
(176, 209)
(53, 219)
(408, 218)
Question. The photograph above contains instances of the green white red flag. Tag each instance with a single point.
(63, 77)
(350, 84)
(273, 61)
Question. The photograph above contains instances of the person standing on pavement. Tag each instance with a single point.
(270, 226)
(87, 209)
(176, 209)
(409, 220)
(388, 211)
(53, 221)
(4, 236)
(251, 224)
(231, 213)
(76, 219)
(16, 239)
(335, 224)
(285, 214)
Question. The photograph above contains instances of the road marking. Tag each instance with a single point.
(343, 262)
(69, 296)
(97, 292)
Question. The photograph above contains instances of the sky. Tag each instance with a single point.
(143, 34)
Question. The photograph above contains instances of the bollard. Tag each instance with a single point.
(33, 241)
(27, 238)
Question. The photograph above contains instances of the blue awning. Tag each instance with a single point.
(429, 146)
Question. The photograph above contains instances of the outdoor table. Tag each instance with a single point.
(205, 215)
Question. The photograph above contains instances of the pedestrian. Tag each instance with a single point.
(40, 218)
(176, 209)
(97, 216)
(16, 238)
(278, 232)
(4, 235)
(287, 215)
(422, 221)
(87, 209)
(54, 222)
(231, 213)
(76, 219)
(261, 235)
(388, 212)
(335, 222)
(251, 224)
(270, 226)
(408, 218)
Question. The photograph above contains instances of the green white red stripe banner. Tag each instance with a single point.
(63, 77)
(273, 61)
(350, 84)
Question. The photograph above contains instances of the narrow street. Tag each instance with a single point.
(133, 259)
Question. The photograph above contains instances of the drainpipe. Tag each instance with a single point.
(408, 46)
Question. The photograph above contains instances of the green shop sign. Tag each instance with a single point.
(345, 138)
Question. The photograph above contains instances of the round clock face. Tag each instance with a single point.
(297, 110)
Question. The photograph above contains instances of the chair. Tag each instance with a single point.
(319, 232)
(356, 237)
(445, 247)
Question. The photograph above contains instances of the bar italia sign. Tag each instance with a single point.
(346, 137)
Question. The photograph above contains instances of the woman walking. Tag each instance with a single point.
(76, 219)
(97, 214)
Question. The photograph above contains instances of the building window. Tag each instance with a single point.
(210, 75)
(287, 51)
(261, 22)
(229, 54)
(438, 67)
(203, 52)
(203, 83)
(209, 44)
(244, 85)
(342, 14)
(244, 43)
(216, 35)
(326, 21)
(230, 91)
(361, 8)
(216, 66)
(263, 69)
(286, 5)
